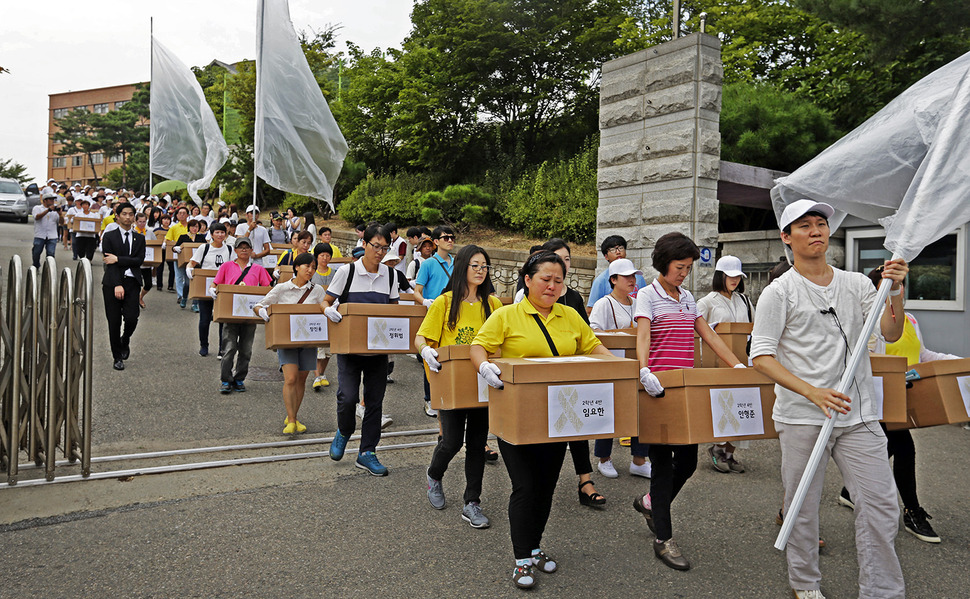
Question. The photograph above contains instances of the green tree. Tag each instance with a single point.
(14, 170)
(124, 130)
(77, 136)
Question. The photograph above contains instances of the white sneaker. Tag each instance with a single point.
(360, 411)
(386, 421)
(643, 470)
(429, 411)
(606, 469)
(811, 594)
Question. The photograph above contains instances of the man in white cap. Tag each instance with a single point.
(809, 319)
(259, 237)
(46, 218)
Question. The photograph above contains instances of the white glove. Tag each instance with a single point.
(177, 249)
(331, 313)
(490, 373)
(740, 365)
(212, 292)
(264, 314)
(188, 272)
(650, 382)
(429, 355)
(427, 302)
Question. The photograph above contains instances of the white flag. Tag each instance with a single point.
(299, 147)
(186, 143)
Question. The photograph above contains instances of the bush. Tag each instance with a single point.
(388, 198)
(558, 199)
(459, 206)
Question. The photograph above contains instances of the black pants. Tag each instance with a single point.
(471, 425)
(118, 310)
(534, 472)
(236, 337)
(85, 246)
(672, 466)
(205, 319)
(351, 371)
(579, 450)
(146, 278)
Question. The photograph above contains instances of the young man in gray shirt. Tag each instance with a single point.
(808, 322)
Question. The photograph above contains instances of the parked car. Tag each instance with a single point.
(17, 203)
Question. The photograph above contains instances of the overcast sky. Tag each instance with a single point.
(54, 46)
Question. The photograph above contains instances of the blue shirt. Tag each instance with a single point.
(601, 287)
(434, 275)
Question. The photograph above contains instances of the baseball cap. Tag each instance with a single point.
(252, 209)
(244, 241)
(49, 195)
(390, 258)
(52, 180)
(358, 252)
(85, 199)
(730, 265)
(800, 208)
(623, 267)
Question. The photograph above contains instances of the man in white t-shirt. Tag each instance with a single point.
(259, 237)
(46, 217)
(808, 321)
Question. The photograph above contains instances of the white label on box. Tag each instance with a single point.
(482, 389)
(308, 327)
(405, 302)
(737, 412)
(388, 333)
(878, 397)
(562, 359)
(619, 353)
(242, 304)
(86, 226)
(580, 409)
(149, 254)
(613, 334)
(963, 382)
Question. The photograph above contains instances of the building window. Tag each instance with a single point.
(936, 276)
(84, 108)
(101, 108)
(117, 158)
(60, 113)
(120, 104)
(97, 158)
(77, 160)
(60, 162)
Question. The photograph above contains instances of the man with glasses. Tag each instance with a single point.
(432, 279)
(613, 248)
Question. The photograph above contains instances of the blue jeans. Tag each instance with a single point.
(39, 246)
(181, 282)
(603, 448)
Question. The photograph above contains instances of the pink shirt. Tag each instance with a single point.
(230, 271)
(671, 326)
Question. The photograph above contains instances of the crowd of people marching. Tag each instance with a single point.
(807, 318)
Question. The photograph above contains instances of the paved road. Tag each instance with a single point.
(310, 528)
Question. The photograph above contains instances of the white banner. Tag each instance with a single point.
(388, 333)
(580, 409)
(878, 397)
(308, 327)
(737, 412)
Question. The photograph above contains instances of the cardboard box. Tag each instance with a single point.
(941, 395)
(201, 281)
(408, 299)
(285, 271)
(458, 385)
(622, 343)
(371, 329)
(279, 248)
(707, 405)
(735, 335)
(564, 398)
(234, 303)
(153, 253)
(188, 248)
(86, 224)
(296, 325)
(507, 300)
(889, 381)
(341, 260)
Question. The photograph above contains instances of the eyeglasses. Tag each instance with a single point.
(616, 249)
(381, 249)
(479, 267)
(447, 238)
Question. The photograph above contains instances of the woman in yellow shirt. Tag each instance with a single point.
(517, 330)
(456, 322)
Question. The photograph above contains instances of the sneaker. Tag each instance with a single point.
(182, 303)
(669, 553)
(811, 594)
(915, 522)
(606, 469)
(239, 386)
(290, 428)
(195, 307)
(203, 351)
(220, 354)
(472, 513)
(718, 461)
(436, 493)
(389, 379)
(300, 427)
(337, 446)
(845, 499)
(544, 563)
(368, 461)
(735, 466)
(647, 513)
(644, 469)
(524, 577)
(225, 388)
(360, 411)
(429, 411)
(320, 382)
(386, 421)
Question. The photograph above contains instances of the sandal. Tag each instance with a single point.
(490, 454)
(524, 577)
(592, 499)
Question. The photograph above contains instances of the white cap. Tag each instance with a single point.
(221, 203)
(52, 180)
(623, 267)
(390, 258)
(49, 195)
(84, 199)
(252, 208)
(800, 208)
(730, 265)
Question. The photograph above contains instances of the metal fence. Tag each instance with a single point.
(46, 342)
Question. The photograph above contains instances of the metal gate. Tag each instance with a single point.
(46, 341)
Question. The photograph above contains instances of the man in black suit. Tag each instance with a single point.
(124, 253)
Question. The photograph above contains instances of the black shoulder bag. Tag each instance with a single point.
(545, 332)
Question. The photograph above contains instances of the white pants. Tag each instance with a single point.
(860, 453)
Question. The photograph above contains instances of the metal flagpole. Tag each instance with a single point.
(151, 79)
(259, 65)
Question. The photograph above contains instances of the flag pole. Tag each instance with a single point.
(151, 78)
(259, 65)
(814, 461)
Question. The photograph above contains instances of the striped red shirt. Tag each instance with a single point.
(671, 326)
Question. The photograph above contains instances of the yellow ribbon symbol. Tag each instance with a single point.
(380, 339)
(568, 398)
(726, 400)
(299, 332)
(241, 306)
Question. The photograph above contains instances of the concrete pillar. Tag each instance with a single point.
(660, 148)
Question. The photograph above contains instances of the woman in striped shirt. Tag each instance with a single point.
(667, 318)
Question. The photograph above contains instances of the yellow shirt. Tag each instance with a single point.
(907, 345)
(336, 251)
(471, 317)
(175, 231)
(514, 330)
(107, 221)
